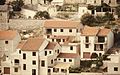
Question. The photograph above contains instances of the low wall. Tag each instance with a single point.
(25, 24)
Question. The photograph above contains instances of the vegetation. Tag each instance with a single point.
(2, 2)
(42, 15)
(91, 20)
(16, 5)
(118, 11)
(88, 19)
(75, 70)
(94, 55)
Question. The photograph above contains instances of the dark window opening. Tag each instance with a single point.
(45, 53)
(33, 53)
(61, 30)
(24, 66)
(43, 63)
(64, 60)
(6, 42)
(15, 69)
(34, 62)
(86, 45)
(101, 39)
(71, 47)
(115, 68)
(24, 56)
(33, 71)
(70, 30)
(49, 31)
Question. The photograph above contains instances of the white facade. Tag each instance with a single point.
(92, 44)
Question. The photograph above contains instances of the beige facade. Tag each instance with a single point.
(95, 40)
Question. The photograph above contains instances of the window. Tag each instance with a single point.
(33, 53)
(100, 54)
(115, 68)
(55, 30)
(15, 69)
(19, 51)
(24, 56)
(87, 39)
(34, 62)
(43, 63)
(58, 51)
(52, 40)
(16, 61)
(70, 60)
(70, 30)
(101, 39)
(49, 70)
(6, 70)
(45, 53)
(6, 42)
(109, 1)
(49, 52)
(71, 47)
(86, 45)
(33, 71)
(76, 30)
(64, 60)
(58, 40)
(58, 59)
(51, 61)
(24, 66)
(63, 40)
(61, 30)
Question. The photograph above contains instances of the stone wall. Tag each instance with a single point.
(24, 24)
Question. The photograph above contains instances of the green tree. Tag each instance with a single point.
(2, 2)
(16, 5)
(88, 19)
(91, 7)
(109, 17)
(118, 11)
(42, 14)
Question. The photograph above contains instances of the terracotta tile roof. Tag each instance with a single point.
(3, 8)
(8, 35)
(68, 55)
(33, 44)
(104, 32)
(61, 24)
(95, 31)
(20, 45)
(90, 31)
(51, 45)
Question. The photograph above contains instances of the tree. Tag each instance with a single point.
(91, 7)
(118, 11)
(46, 15)
(109, 17)
(88, 19)
(42, 14)
(2, 2)
(16, 5)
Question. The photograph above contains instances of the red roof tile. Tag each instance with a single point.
(7, 35)
(61, 24)
(68, 55)
(33, 44)
(104, 32)
(51, 45)
(20, 45)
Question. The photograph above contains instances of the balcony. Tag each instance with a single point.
(86, 42)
